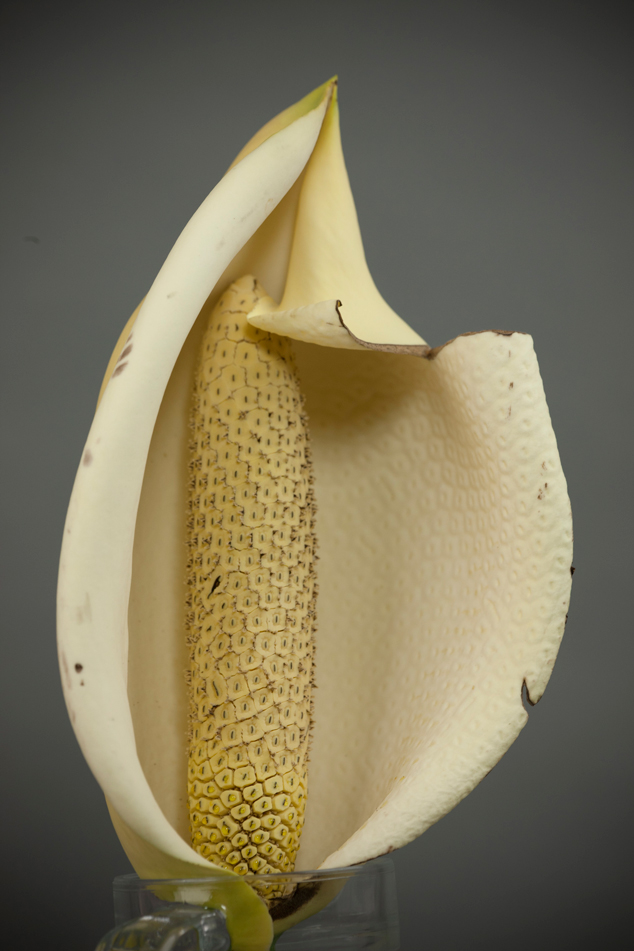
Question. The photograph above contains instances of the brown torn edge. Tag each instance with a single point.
(417, 350)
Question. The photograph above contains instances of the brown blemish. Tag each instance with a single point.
(510, 386)
(84, 611)
(509, 412)
(171, 294)
(125, 352)
(572, 571)
(119, 369)
(79, 668)
(433, 353)
(86, 461)
(390, 848)
(525, 695)
(416, 350)
(300, 897)
(540, 495)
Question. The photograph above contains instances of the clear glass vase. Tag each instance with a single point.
(359, 911)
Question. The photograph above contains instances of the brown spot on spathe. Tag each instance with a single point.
(79, 668)
(84, 611)
(415, 350)
(122, 361)
(433, 353)
(87, 458)
(389, 849)
(525, 695)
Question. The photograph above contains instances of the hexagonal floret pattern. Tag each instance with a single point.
(251, 604)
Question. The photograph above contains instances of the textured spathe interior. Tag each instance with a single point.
(445, 549)
(445, 545)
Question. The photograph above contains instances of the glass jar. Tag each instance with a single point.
(358, 913)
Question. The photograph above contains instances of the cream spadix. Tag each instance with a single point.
(443, 526)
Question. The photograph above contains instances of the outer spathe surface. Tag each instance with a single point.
(96, 561)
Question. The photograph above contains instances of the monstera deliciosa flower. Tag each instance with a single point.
(443, 524)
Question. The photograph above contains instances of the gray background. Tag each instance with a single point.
(489, 146)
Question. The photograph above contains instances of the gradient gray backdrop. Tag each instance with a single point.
(489, 146)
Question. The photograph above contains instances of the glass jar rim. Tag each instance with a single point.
(130, 881)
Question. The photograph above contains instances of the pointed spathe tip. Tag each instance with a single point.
(327, 91)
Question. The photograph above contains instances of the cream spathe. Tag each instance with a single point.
(443, 525)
